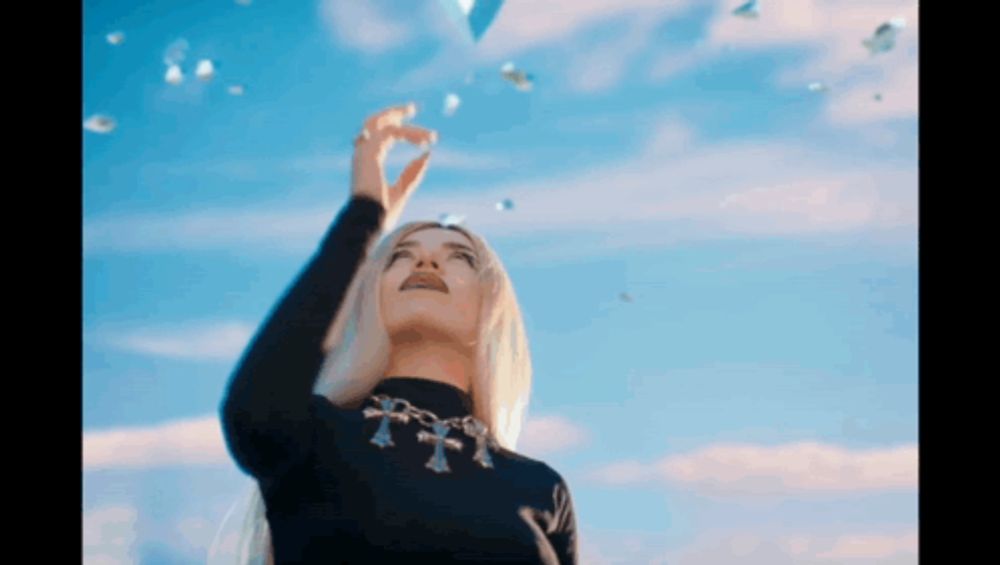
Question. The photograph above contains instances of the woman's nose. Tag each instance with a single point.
(422, 262)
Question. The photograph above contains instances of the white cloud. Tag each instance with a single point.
(549, 434)
(366, 26)
(760, 548)
(215, 342)
(866, 546)
(523, 25)
(109, 536)
(797, 468)
(197, 441)
(833, 31)
(674, 188)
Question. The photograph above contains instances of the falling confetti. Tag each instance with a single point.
(176, 52)
(625, 297)
(878, 97)
(205, 70)
(236, 89)
(522, 80)
(174, 75)
(505, 204)
(244, 2)
(451, 219)
(884, 38)
(100, 124)
(472, 16)
(750, 10)
(116, 37)
(818, 87)
(451, 102)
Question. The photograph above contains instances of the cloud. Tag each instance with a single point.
(832, 31)
(365, 26)
(673, 189)
(214, 342)
(757, 548)
(197, 441)
(523, 25)
(797, 468)
(549, 434)
(109, 536)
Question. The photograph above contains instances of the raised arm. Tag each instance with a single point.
(265, 412)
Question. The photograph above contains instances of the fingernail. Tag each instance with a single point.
(412, 109)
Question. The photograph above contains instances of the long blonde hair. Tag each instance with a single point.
(357, 353)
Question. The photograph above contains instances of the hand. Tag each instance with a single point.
(380, 133)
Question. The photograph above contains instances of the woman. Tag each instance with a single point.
(388, 436)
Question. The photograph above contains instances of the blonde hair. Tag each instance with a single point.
(357, 353)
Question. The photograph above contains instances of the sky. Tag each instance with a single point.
(753, 401)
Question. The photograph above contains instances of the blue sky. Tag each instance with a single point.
(755, 402)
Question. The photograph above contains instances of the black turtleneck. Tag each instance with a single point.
(334, 497)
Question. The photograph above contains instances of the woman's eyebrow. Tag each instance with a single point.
(448, 244)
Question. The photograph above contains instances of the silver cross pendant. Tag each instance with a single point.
(475, 428)
(382, 438)
(437, 462)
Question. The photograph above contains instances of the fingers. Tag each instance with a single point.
(390, 116)
(410, 178)
(414, 134)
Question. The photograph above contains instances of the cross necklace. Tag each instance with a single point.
(468, 425)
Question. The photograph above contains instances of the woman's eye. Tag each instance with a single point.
(468, 258)
(396, 255)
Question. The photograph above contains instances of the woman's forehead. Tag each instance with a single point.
(435, 236)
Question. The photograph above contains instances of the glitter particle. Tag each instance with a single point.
(750, 10)
(522, 80)
(236, 89)
(884, 38)
(205, 70)
(174, 75)
(451, 219)
(472, 16)
(505, 204)
(451, 103)
(100, 124)
(116, 38)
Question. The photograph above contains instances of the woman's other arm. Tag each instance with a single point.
(265, 414)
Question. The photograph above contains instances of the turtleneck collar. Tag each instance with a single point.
(443, 399)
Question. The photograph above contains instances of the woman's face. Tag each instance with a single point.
(442, 306)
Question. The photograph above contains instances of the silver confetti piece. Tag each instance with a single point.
(884, 38)
(451, 103)
(174, 75)
(520, 79)
(750, 10)
(205, 70)
(100, 124)
(116, 37)
(451, 219)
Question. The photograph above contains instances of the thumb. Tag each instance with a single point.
(410, 178)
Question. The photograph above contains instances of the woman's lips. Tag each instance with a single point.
(424, 280)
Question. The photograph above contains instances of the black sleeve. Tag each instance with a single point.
(265, 413)
(562, 535)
